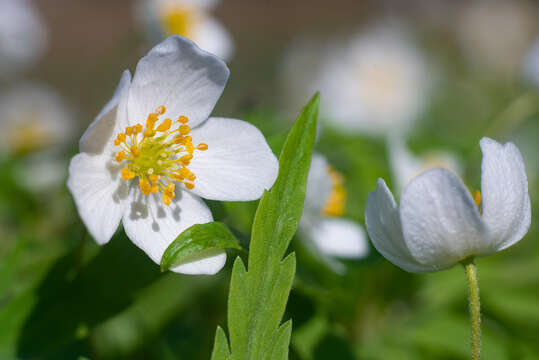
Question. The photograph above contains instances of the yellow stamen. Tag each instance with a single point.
(336, 201)
(158, 160)
(127, 174)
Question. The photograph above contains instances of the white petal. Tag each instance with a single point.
(152, 226)
(98, 193)
(340, 238)
(208, 262)
(440, 221)
(177, 74)
(318, 185)
(238, 165)
(505, 198)
(111, 120)
(211, 35)
(383, 224)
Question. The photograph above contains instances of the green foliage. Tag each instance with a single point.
(196, 239)
(258, 296)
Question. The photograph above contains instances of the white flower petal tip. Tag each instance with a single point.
(180, 76)
(209, 262)
(438, 223)
(238, 164)
(505, 199)
(340, 238)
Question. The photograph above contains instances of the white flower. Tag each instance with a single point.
(405, 165)
(35, 126)
(152, 153)
(188, 18)
(321, 221)
(23, 36)
(438, 224)
(34, 118)
(376, 82)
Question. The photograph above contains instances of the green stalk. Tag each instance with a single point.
(475, 308)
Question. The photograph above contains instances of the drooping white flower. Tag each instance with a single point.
(375, 82)
(188, 18)
(405, 165)
(322, 221)
(438, 224)
(35, 126)
(152, 153)
(23, 36)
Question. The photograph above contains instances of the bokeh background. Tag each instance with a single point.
(405, 85)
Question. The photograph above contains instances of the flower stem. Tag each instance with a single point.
(475, 308)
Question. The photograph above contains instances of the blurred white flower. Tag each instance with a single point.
(36, 125)
(188, 18)
(376, 82)
(23, 36)
(321, 222)
(405, 165)
(494, 35)
(530, 69)
(152, 177)
(438, 224)
(34, 118)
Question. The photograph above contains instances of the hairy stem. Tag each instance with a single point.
(475, 307)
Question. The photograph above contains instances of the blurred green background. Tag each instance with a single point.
(64, 297)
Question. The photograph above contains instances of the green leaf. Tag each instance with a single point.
(258, 297)
(220, 348)
(196, 239)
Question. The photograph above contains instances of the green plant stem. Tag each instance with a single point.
(475, 308)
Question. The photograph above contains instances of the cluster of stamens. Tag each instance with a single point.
(158, 154)
(336, 201)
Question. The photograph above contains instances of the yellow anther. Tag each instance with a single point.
(183, 119)
(189, 147)
(186, 158)
(120, 156)
(477, 197)
(151, 120)
(138, 129)
(119, 139)
(184, 129)
(189, 185)
(165, 125)
(129, 130)
(149, 133)
(336, 201)
(166, 199)
(127, 174)
(160, 110)
(135, 151)
(202, 146)
(153, 178)
(171, 187)
(145, 186)
(154, 189)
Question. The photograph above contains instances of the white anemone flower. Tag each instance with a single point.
(23, 36)
(153, 153)
(322, 222)
(35, 127)
(405, 165)
(438, 224)
(376, 82)
(188, 18)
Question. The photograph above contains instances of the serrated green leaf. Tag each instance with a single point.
(258, 296)
(198, 238)
(220, 348)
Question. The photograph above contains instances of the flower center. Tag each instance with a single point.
(336, 201)
(29, 137)
(158, 155)
(179, 20)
